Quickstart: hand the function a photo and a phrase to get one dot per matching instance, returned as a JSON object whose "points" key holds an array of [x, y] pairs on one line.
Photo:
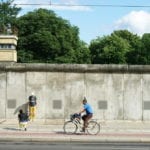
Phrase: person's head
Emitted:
{"points": [[20, 111], [84, 101]]}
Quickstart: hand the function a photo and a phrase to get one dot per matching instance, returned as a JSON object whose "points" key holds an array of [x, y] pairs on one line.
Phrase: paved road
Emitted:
{"points": [[73, 146]]}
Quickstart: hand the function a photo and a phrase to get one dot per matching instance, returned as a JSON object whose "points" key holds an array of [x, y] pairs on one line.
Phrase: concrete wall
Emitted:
{"points": [[116, 92]]}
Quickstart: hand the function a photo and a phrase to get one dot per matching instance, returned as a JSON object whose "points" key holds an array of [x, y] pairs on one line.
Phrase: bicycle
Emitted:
{"points": [[72, 126]]}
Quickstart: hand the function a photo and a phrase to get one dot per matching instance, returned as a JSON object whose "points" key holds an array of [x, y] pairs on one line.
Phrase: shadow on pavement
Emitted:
{"points": [[63, 133], [12, 129], [2, 121], [60, 132]]}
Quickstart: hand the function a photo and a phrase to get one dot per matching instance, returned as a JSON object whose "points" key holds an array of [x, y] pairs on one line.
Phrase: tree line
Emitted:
{"points": [[44, 37]]}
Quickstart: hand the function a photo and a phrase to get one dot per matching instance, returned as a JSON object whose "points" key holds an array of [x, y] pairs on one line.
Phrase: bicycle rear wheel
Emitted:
{"points": [[93, 128], [70, 127]]}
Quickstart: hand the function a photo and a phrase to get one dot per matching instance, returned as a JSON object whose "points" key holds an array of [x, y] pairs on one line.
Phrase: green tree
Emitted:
{"points": [[146, 47], [8, 14], [121, 47], [45, 37], [83, 53], [109, 49], [134, 55]]}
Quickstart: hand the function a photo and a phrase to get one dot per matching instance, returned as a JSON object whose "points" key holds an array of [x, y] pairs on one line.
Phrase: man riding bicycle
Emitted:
{"points": [[89, 113]]}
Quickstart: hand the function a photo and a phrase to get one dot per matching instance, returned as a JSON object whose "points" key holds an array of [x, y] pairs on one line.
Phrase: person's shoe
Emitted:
{"points": [[83, 130]]}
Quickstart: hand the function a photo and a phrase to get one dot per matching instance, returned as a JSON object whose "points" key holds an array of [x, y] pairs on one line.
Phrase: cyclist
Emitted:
{"points": [[89, 113]]}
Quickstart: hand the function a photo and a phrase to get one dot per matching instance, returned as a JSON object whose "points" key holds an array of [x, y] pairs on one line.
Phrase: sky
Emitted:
{"points": [[97, 18]]}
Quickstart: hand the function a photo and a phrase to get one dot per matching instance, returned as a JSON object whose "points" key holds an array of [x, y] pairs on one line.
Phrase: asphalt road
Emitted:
{"points": [[73, 146]]}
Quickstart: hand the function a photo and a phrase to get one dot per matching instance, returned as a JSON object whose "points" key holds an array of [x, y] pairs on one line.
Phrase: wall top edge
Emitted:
{"points": [[43, 67]]}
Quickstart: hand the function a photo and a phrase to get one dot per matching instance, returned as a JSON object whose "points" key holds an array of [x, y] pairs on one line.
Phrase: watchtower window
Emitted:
{"points": [[7, 46]]}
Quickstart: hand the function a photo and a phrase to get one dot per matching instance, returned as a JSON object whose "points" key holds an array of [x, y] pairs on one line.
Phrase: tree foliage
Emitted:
{"points": [[146, 48], [133, 56], [44, 37], [121, 47], [8, 14], [109, 49], [49, 38]]}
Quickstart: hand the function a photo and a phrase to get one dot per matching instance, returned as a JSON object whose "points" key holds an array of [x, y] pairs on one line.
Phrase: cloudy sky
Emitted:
{"points": [[97, 17]]}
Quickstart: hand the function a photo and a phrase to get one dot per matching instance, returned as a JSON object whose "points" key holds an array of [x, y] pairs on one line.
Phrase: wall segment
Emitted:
{"points": [[117, 92]]}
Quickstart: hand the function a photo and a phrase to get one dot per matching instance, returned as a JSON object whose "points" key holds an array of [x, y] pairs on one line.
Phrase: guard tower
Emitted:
{"points": [[8, 45]]}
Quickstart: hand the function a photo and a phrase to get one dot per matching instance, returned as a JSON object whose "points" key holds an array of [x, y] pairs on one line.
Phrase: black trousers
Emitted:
{"points": [[86, 118]]}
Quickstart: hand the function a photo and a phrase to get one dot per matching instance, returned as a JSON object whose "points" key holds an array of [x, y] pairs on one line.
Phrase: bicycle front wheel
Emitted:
{"points": [[70, 127], [93, 127]]}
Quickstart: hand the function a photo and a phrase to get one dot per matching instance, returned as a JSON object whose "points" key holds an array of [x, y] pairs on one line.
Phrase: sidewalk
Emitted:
{"points": [[111, 131]]}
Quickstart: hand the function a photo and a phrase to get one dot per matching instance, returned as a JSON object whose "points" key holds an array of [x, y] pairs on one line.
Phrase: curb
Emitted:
{"points": [[74, 140], [52, 137]]}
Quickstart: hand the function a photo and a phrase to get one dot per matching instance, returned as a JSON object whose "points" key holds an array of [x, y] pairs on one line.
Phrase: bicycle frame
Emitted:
{"points": [[78, 123]]}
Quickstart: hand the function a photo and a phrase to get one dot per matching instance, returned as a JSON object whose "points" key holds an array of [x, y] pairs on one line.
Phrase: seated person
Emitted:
{"points": [[89, 113]]}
